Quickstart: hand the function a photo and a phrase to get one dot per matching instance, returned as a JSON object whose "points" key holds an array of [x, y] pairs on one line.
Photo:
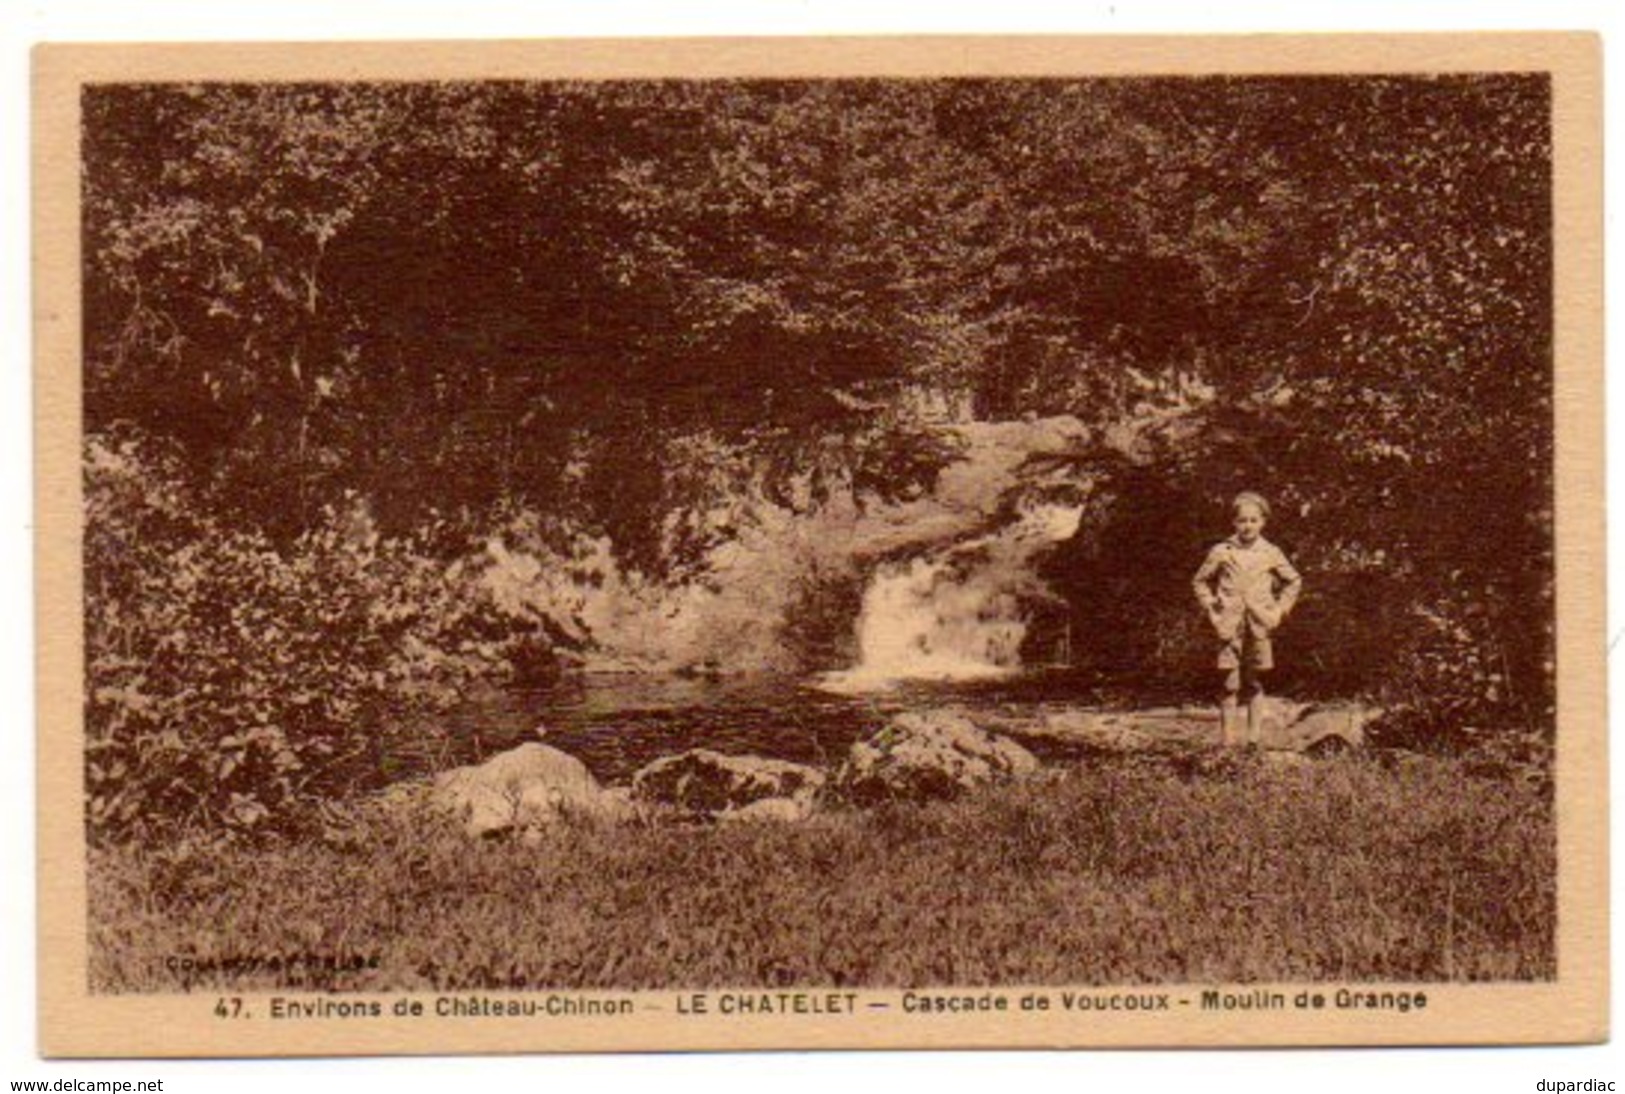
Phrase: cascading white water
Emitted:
{"points": [[957, 613]]}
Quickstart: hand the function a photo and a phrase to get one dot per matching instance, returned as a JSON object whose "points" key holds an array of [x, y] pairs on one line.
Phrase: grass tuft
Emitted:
{"points": [[1120, 872]]}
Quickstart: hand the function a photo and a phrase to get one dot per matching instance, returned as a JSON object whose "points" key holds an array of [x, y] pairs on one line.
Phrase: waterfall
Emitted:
{"points": [[958, 612]]}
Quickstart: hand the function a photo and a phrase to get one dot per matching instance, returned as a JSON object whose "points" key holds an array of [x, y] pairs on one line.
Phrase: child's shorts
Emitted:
{"points": [[1248, 654]]}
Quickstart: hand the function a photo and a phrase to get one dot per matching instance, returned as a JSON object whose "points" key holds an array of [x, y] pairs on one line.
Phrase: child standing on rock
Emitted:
{"points": [[1247, 587]]}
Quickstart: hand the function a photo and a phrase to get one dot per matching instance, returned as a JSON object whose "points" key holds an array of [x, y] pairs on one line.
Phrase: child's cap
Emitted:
{"points": [[1247, 497]]}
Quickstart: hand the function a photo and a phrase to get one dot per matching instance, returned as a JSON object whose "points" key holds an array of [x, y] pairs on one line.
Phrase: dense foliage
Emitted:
{"points": [[435, 306], [233, 680]]}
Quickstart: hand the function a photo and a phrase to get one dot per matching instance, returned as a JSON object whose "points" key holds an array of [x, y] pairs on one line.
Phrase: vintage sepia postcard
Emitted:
{"points": [[714, 544]]}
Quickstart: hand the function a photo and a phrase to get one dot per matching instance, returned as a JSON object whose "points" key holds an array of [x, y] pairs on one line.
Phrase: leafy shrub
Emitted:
{"points": [[1453, 687], [232, 680]]}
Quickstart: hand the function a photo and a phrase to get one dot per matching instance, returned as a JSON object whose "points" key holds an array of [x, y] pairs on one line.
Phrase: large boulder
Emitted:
{"points": [[922, 755], [522, 788], [715, 784]]}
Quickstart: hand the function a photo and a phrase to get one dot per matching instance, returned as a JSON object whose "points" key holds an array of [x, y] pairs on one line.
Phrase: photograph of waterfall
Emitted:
{"points": [[763, 545]]}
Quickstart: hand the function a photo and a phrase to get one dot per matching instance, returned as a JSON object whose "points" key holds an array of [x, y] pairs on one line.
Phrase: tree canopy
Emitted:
{"points": [[317, 279], [453, 297]]}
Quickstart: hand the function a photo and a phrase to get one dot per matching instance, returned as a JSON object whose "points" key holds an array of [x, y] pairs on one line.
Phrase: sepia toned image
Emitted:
{"points": [[866, 548]]}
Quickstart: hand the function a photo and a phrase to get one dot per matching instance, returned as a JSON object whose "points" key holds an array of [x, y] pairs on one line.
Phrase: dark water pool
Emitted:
{"points": [[618, 723]]}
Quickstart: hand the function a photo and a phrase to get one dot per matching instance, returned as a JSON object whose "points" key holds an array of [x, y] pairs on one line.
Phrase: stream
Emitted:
{"points": [[944, 626], [617, 723]]}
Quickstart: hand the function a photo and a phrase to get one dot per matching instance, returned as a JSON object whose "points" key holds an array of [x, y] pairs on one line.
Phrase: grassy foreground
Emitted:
{"points": [[1137, 871]]}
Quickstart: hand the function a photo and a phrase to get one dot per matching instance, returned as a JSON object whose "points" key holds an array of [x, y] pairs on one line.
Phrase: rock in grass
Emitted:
{"points": [[525, 787], [771, 811], [929, 754], [1327, 729], [714, 784]]}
